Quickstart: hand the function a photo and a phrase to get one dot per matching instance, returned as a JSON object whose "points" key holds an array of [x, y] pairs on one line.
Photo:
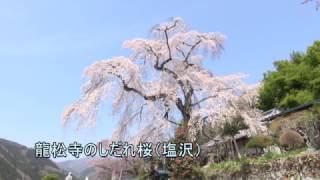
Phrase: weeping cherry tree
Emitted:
{"points": [[164, 84]]}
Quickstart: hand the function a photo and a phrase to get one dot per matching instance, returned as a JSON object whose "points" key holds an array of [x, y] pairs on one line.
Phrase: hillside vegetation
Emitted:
{"points": [[294, 82]]}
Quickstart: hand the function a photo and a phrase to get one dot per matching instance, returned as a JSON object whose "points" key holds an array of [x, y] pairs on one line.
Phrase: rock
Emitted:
{"points": [[274, 149]]}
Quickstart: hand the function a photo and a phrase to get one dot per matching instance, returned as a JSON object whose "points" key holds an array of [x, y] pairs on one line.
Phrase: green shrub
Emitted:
{"points": [[260, 142], [51, 177]]}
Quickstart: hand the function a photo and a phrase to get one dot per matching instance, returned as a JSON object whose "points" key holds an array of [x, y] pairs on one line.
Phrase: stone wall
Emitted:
{"points": [[305, 166]]}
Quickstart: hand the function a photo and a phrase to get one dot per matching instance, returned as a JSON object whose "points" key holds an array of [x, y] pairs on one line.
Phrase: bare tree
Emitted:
{"points": [[164, 84]]}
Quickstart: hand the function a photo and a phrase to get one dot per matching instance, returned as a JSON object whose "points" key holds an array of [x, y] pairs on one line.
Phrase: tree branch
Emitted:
{"points": [[183, 54], [140, 113], [191, 49], [206, 98], [166, 115], [203, 99], [178, 124], [146, 97], [167, 42]]}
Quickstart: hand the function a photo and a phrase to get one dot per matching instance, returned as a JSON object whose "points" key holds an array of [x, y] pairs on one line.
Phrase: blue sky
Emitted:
{"points": [[45, 46]]}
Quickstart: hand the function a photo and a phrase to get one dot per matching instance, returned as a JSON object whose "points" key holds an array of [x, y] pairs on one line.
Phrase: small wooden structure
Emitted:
{"points": [[220, 149]]}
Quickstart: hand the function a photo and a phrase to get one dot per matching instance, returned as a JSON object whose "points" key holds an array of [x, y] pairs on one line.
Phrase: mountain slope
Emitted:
{"points": [[19, 162]]}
